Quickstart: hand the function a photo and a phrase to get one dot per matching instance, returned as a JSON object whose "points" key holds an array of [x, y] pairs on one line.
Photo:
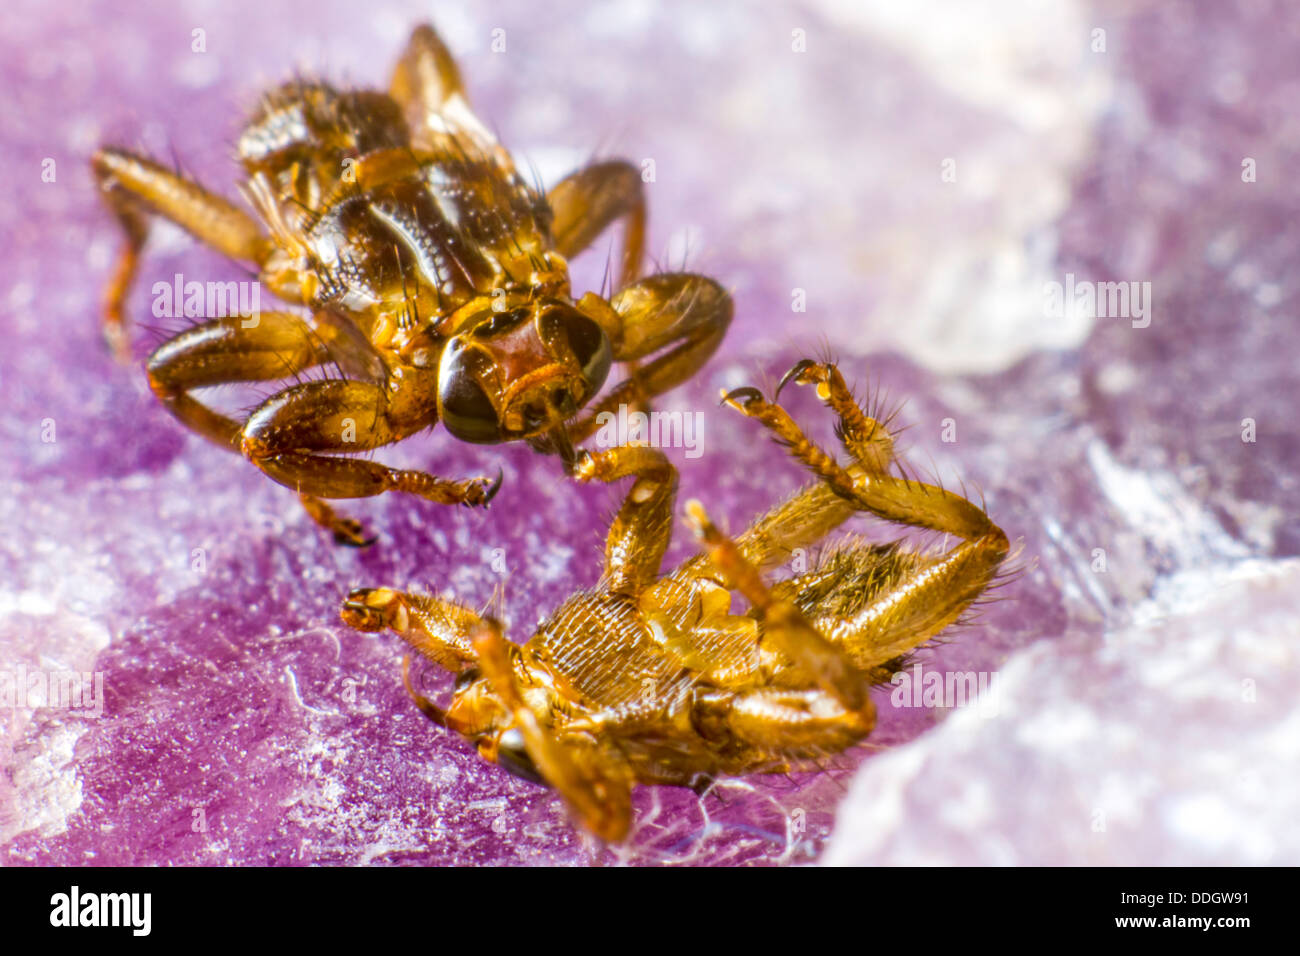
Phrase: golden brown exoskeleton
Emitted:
{"points": [[649, 679], [436, 281]]}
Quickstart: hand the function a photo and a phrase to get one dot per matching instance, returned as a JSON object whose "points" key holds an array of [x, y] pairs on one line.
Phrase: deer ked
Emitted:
{"points": [[434, 279]]}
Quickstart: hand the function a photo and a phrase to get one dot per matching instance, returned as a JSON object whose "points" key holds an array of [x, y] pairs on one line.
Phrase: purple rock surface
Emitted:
{"points": [[915, 178]]}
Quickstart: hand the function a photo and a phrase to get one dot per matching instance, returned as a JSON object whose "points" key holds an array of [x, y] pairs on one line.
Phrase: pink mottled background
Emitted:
{"points": [[1146, 713]]}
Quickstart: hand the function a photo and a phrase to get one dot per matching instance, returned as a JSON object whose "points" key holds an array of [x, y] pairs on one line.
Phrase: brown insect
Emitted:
{"points": [[436, 281], [652, 680]]}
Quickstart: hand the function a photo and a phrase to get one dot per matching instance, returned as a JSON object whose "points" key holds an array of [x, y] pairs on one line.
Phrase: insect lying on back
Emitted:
{"points": [[653, 680], [436, 280]]}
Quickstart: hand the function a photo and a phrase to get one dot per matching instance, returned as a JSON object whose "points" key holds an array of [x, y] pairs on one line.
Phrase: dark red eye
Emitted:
{"points": [[463, 406], [590, 347]]}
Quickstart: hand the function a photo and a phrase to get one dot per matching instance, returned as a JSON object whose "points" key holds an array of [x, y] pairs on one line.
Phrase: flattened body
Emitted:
{"points": [[397, 230]]}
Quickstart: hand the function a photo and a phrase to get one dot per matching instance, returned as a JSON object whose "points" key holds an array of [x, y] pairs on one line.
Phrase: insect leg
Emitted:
{"points": [[221, 351], [784, 626], [426, 706], [802, 521], [438, 630], [867, 439], [596, 788], [136, 188], [777, 723], [921, 600], [866, 487], [816, 510], [640, 532], [914, 606], [226, 350], [588, 201], [688, 312], [285, 433]]}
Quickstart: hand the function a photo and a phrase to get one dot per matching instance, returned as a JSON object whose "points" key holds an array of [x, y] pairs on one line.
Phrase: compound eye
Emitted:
{"points": [[590, 347], [466, 677], [512, 755], [463, 406]]}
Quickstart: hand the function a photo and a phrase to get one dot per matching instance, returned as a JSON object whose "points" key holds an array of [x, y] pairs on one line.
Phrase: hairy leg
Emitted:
{"points": [[287, 433], [222, 351], [640, 532], [777, 725], [588, 201], [913, 600], [228, 350], [438, 630], [785, 627], [137, 188]]}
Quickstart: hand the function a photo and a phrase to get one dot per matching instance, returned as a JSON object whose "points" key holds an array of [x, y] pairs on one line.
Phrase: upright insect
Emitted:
{"points": [[434, 277], [649, 679]]}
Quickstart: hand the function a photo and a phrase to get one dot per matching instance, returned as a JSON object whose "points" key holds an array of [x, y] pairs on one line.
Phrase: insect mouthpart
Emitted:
{"points": [[543, 405], [517, 374]]}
